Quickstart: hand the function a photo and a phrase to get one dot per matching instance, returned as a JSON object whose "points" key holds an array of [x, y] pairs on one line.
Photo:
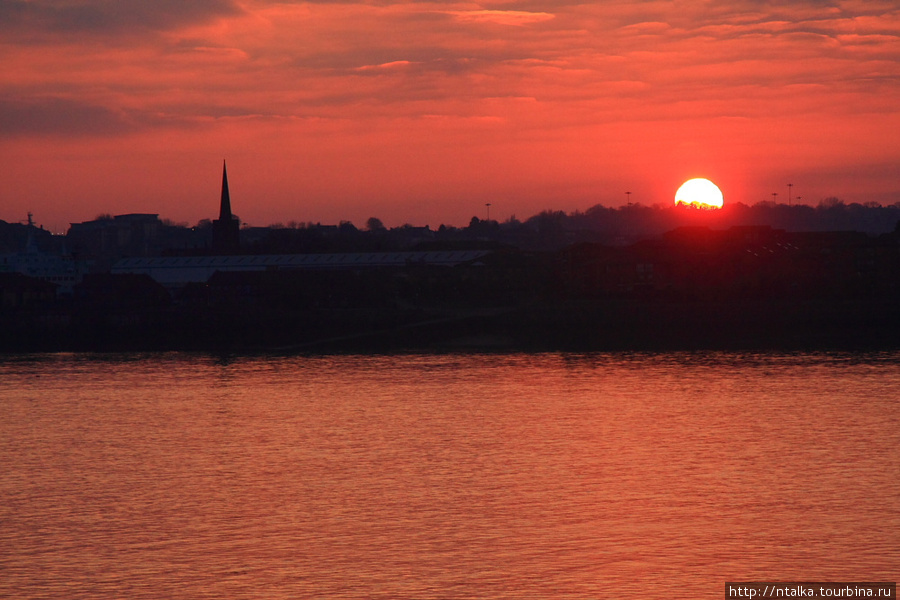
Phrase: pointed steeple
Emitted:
{"points": [[226, 229], [225, 205]]}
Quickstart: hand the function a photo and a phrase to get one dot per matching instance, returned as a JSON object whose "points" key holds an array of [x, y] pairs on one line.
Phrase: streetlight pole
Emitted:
{"points": [[774, 197], [628, 198], [488, 205], [790, 185]]}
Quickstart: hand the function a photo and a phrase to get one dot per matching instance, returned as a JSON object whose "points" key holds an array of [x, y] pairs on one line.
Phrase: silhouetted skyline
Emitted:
{"points": [[607, 224]]}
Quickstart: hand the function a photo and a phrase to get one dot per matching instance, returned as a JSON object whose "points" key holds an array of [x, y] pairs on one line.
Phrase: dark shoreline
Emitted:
{"points": [[750, 288], [608, 325]]}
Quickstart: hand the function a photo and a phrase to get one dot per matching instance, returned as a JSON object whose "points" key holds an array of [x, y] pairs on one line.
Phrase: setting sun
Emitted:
{"points": [[699, 192]]}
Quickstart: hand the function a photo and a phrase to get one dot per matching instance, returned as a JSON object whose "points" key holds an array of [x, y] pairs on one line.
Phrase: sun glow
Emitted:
{"points": [[699, 192]]}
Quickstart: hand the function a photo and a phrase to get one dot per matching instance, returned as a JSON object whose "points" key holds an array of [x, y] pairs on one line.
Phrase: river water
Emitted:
{"points": [[445, 476]]}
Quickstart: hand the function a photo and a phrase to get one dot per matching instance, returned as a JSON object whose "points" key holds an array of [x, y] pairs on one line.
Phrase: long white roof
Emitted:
{"points": [[179, 270]]}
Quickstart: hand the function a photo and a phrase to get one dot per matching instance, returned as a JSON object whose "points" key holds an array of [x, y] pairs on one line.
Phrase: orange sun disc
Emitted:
{"points": [[699, 192]]}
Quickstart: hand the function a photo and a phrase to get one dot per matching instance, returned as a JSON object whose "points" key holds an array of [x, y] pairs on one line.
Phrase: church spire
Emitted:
{"points": [[225, 229], [225, 205]]}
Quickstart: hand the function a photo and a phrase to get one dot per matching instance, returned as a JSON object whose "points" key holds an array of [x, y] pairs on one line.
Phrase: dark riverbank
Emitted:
{"points": [[745, 288], [606, 325]]}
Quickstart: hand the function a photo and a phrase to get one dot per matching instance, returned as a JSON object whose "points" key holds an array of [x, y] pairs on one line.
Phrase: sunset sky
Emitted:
{"points": [[422, 112]]}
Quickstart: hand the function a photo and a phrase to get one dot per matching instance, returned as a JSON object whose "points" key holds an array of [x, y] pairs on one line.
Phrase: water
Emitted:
{"points": [[448, 476]]}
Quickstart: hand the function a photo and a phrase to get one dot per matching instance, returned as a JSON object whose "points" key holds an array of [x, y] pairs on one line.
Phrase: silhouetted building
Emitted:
{"points": [[61, 270], [109, 238], [226, 229], [15, 236]]}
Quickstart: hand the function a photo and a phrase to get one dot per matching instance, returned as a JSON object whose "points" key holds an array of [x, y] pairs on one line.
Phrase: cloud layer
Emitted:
{"points": [[386, 106]]}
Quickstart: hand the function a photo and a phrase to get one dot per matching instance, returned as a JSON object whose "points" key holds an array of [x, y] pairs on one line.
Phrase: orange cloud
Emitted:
{"points": [[502, 17]]}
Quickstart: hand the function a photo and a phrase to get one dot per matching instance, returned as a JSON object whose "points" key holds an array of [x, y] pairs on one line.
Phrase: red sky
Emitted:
{"points": [[422, 112]]}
